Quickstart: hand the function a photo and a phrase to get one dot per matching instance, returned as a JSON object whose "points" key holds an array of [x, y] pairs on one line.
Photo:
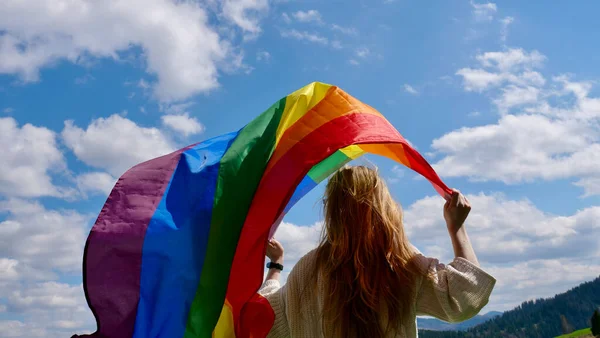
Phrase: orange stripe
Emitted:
{"points": [[298, 103], [391, 151], [337, 103]]}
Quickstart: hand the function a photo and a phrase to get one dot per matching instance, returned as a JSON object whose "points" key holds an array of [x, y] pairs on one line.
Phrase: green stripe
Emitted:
{"points": [[329, 165], [240, 172]]}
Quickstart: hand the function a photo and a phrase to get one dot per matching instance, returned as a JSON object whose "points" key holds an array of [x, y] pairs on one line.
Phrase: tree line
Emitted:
{"points": [[540, 318]]}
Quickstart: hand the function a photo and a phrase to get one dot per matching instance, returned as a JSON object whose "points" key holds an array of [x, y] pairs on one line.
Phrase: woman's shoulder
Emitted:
{"points": [[307, 260], [420, 261], [302, 271]]}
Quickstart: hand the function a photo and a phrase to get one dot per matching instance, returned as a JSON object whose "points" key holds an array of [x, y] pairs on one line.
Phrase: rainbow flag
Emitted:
{"points": [[179, 246]]}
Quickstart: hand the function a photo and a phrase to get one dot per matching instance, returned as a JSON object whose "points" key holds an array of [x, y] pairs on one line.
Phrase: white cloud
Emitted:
{"points": [[305, 36], [528, 78], [37, 242], [398, 170], [115, 143], [296, 241], [496, 226], [336, 44], [511, 66], [579, 89], [344, 30], [410, 89], [484, 11], [15, 328], [304, 238], [95, 182], [45, 296], [48, 309], [37, 247], [397, 174], [516, 96], [479, 79], [311, 15], [538, 279], [590, 185], [181, 48], [8, 267], [176, 108], [183, 123], [519, 148], [8, 110], [354, 62], [547, 131], [29, 155], [362, 52], [84, 79], [263, 56], [512, 59], [507, 21], [286, 18], [585, 107], [143, 84], [245, 13]]}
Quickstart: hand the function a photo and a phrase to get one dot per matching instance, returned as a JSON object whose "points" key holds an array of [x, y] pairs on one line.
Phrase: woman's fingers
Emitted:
{"points": [[275, 245], [464, 201], [455, 198]]}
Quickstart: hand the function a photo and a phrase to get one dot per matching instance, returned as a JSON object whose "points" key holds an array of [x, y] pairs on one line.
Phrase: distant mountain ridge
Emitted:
{"points": [[439, 325], [537, 318]]}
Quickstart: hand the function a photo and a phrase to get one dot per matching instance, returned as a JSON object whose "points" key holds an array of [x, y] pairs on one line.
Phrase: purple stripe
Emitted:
{"points": [[113, 254]]}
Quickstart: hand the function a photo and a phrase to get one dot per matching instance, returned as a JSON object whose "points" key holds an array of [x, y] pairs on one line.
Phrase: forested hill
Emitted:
{"points": [[538, 318], [438, 325]]}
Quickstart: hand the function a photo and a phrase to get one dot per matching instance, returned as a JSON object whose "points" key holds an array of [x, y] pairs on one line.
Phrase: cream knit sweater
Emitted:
{"points": [[457, 292]]}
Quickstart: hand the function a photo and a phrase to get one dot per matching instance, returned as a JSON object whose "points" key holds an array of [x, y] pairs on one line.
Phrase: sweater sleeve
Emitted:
{"points": [[275, 295], [454, 292]]}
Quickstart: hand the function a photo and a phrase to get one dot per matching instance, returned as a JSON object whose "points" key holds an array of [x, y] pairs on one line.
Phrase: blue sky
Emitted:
{"points": [[502, 98]]}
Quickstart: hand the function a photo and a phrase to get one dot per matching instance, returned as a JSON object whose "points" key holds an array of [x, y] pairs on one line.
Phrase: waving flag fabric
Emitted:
{"points": [[179, 246]]}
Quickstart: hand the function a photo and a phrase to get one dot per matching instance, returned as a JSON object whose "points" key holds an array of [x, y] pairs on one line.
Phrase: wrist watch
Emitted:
{"points": [[277, 266]]}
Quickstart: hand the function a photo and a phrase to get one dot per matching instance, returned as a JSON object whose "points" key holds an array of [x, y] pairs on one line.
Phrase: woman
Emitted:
{"points": [[365, 279]]}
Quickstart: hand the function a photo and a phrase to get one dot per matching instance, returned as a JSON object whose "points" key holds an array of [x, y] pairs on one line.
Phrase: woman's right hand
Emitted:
{"points": [[456, 211], [275, 251]]}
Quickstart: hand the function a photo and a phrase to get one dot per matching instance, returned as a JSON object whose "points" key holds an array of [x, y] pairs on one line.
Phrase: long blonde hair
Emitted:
{"points": [[364, 257]]}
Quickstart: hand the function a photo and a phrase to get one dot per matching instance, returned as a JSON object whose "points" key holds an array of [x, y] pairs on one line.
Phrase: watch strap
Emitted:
{"points": [[272, 265]]}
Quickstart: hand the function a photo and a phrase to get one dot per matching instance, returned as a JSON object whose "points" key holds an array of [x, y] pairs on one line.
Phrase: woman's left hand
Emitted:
{"points": [[275, 251]]}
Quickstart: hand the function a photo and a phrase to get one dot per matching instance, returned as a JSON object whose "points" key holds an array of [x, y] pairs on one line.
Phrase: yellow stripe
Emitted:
{"points": [[353, 151], [298, 103], [225, 328]]}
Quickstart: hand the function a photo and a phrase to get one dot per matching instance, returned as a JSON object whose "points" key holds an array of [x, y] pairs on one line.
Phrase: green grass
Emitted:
{"points": [[578, 333]]}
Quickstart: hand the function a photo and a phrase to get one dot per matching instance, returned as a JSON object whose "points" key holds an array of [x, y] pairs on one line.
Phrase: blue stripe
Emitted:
{"points": [[307, 184], [176, 240]]}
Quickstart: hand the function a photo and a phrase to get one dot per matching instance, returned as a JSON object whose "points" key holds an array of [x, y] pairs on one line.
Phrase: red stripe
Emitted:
{"points": [[277, 187], [257, 318], [420, 165]]}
